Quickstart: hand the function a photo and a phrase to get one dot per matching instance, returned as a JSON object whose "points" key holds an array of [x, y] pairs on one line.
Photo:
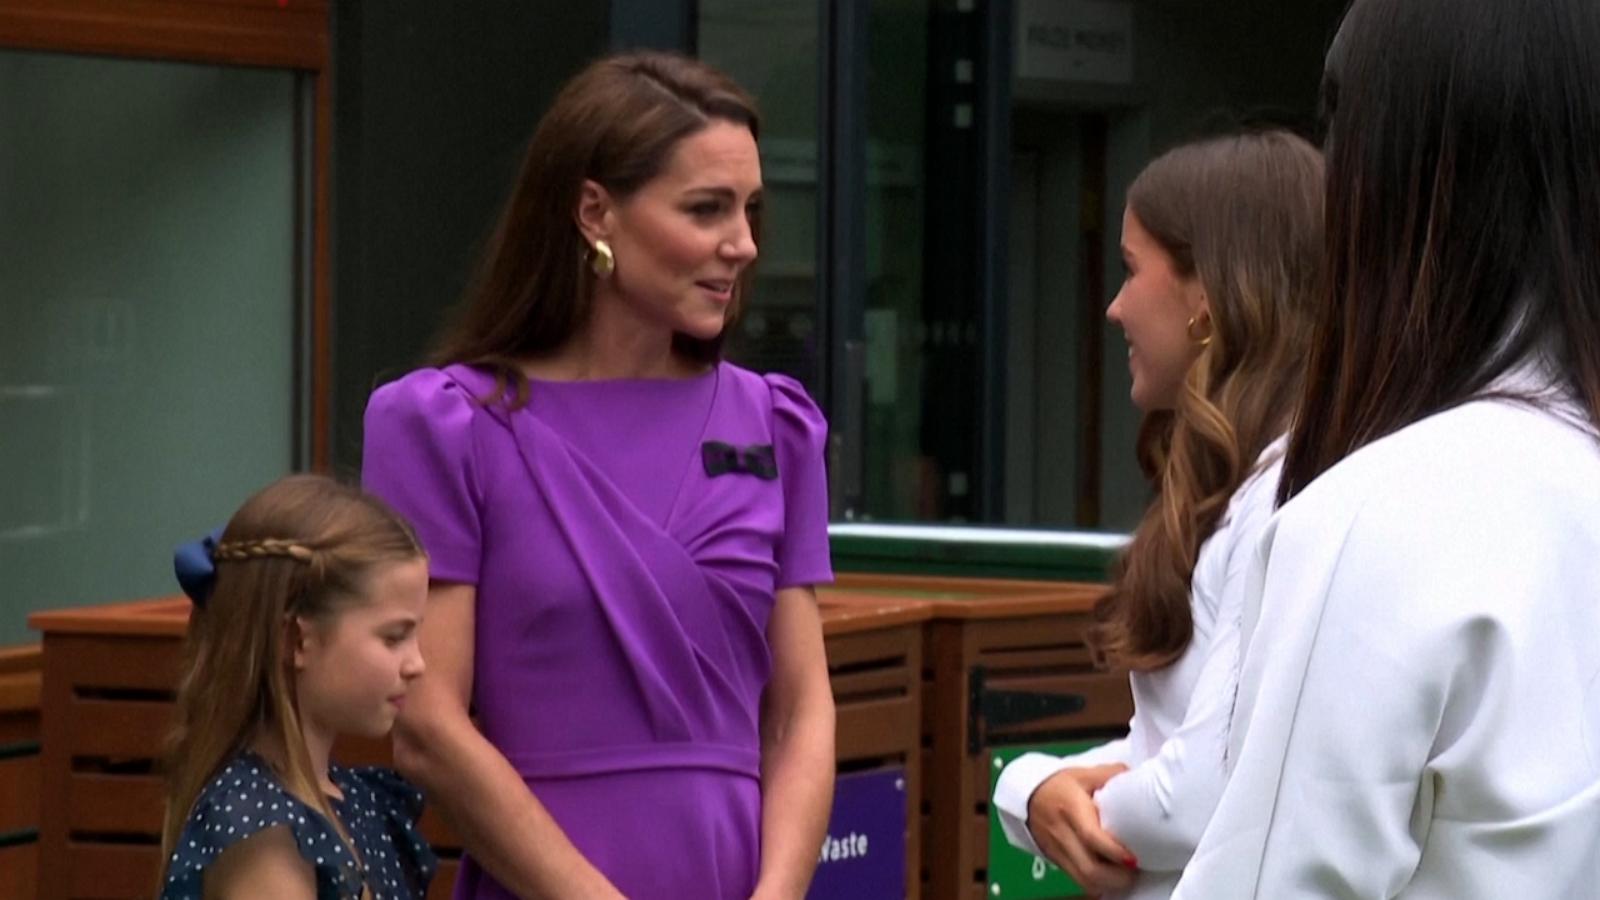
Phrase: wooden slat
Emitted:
{"points": [[979, 823], [19, 872], [1073, 658], [123, 729], [257, 33], [86, 662], [881, 682], [881, 728], [937, 584], [155, 617], [114, 804], [1010, 635], [844, 612], [19, 692], [21, 658], [20, 726], [19, 793], [887, 644], [109, 871]]}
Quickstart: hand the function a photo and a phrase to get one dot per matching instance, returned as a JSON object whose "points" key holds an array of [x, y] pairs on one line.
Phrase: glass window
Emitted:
{"points": [[149, 329], [771, 48], [1094, 89], [1099, 88]]}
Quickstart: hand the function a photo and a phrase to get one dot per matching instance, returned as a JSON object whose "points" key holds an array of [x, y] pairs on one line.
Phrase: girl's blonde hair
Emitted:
{"points": [[1243, 213], [301, 547]]}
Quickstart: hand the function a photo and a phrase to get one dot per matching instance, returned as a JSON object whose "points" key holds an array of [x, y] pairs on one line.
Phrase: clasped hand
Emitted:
{"points": [[1065, 823]]}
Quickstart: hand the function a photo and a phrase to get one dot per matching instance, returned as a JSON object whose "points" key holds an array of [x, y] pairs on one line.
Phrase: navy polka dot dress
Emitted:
{"points": [[379, 810]]}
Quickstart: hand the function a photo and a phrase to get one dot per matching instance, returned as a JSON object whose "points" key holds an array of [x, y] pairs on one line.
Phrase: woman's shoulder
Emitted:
{"points": [[1488, 454], [796, 418], [431, 390], [1447, 506]]}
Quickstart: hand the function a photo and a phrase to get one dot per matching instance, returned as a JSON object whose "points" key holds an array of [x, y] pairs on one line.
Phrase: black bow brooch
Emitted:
{"points": [[756, 459]]}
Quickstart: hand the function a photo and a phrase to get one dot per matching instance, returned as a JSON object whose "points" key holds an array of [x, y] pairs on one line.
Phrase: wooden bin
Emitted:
{"points": [[875, 663], [109, 674], [19, 771], [984, 637]]}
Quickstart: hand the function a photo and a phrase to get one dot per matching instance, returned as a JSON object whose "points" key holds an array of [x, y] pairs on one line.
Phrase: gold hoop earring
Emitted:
{"points": [[1198, 340], [603, 262]]}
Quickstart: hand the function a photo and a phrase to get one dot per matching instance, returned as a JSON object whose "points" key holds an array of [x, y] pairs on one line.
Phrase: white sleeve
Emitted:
{"points": [[1024, 774], [1159, 808]]}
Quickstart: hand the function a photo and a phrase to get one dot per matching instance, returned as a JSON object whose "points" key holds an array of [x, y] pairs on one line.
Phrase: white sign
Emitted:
{"points": [[1083, 41]]}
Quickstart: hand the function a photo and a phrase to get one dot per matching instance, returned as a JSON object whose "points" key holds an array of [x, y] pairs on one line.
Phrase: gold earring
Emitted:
{"points": [[603, 262], [1188, 329]]}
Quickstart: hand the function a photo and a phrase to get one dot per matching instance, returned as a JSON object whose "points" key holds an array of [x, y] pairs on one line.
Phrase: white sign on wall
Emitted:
{"points": [[1075, 41]]}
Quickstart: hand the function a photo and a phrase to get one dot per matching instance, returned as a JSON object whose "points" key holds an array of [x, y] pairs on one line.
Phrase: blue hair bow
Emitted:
{"points": [[196, 570]]}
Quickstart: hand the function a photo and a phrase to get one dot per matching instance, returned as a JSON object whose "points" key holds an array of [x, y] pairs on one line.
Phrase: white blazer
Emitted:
{"points": [[1178, 735], [1419, 707]]}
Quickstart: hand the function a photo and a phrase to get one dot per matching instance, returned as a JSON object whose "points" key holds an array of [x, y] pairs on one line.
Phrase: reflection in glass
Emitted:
{"points": [[147, 316], [771, 48]]}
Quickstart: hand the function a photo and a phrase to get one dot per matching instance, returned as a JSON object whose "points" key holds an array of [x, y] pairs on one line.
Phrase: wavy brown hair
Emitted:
{"points": [[1243, 213], [616, 123], [303, 546]]}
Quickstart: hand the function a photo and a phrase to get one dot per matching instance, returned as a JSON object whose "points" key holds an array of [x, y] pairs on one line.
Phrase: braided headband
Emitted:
{"points": [[195, 563]]}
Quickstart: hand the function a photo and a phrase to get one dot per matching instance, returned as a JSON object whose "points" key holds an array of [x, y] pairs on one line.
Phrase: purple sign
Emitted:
{"points": [[864, 854]]}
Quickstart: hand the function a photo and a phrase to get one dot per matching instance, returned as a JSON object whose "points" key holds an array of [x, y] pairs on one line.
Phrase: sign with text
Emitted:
{"points": [[864, 854], [1079, 41]]}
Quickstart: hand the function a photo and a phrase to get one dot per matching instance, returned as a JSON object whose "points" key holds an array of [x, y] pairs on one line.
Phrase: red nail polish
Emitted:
{"points": [[1131, 861]]}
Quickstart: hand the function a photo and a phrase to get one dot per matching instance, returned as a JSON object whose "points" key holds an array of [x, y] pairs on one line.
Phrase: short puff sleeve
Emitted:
{"points": [[800, 436], [418, 453], [386, 808], [244, 799]]}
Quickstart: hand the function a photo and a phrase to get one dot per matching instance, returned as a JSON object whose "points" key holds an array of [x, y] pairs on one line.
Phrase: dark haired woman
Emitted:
{"points": [[1419, 709], [624, 530], [1222, 241]]}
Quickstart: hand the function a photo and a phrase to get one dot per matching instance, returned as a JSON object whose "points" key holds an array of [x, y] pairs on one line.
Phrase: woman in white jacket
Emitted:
{"points": [[1223, 240], [1419, 708]]}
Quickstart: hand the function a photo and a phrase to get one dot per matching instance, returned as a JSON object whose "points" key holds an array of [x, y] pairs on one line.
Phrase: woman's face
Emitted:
{"points": [[682, 240], [1153, 310]]}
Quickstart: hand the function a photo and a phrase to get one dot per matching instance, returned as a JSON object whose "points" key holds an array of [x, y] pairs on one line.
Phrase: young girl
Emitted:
{"points": [[1223, 243], [304, 628]]}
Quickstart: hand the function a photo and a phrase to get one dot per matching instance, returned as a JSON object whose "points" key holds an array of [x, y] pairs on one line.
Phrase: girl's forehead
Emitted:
{"points": [[393, 588]]}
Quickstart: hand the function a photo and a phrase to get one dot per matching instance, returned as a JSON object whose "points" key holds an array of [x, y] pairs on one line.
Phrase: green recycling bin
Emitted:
{"points": [[1017, 874]]}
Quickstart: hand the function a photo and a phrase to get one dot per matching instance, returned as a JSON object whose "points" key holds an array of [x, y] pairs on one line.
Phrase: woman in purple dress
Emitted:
{"points": [[626, 689]]}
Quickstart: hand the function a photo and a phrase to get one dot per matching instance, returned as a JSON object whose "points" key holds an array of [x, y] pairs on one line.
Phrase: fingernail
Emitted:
{"points": [[1131, 861]]}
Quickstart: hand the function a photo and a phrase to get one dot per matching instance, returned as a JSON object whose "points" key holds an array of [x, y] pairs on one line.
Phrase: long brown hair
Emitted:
{"points": [[1463, 216], [1243, 213], [616, 123], [301, 547]]}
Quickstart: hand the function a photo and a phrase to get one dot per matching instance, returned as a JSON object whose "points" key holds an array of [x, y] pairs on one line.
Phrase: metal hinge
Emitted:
{"points": [[988, 709]]}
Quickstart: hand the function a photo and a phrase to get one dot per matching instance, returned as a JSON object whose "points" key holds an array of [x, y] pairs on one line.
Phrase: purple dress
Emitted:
{"points": [[625, 538]]}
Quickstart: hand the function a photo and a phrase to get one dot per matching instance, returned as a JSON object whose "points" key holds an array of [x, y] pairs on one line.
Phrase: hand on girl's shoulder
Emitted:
{"points": [[265, 866]]}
